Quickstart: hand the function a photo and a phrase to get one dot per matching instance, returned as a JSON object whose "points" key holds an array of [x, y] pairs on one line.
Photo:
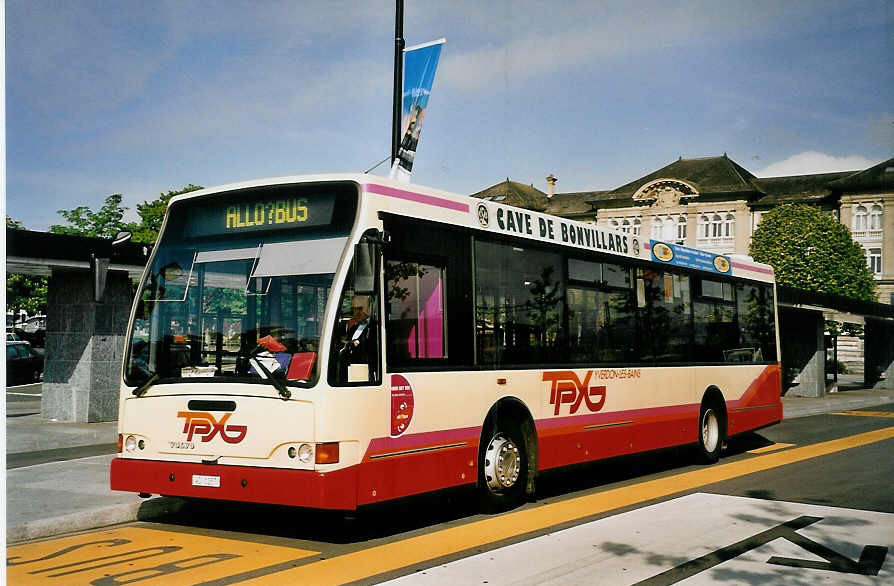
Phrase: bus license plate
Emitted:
{"points": [[201, 480]]}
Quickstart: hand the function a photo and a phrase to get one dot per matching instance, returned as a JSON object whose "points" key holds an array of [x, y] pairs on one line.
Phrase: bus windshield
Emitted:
{"points": [[238, 286]]}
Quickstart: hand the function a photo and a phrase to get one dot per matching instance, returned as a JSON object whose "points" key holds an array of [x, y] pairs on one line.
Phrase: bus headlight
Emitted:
{"points": [[305, 454], [130, 444]]}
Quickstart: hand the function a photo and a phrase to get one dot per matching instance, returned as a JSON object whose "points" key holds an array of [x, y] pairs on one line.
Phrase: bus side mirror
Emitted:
{"points": [[367, 255]]}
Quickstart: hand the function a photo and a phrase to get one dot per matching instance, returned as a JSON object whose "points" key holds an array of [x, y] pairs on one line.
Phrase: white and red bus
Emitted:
{"points": [[334, 341]]}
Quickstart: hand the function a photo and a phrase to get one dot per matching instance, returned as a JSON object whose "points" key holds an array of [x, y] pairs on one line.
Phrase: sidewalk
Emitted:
{"points": [[73, 495]]}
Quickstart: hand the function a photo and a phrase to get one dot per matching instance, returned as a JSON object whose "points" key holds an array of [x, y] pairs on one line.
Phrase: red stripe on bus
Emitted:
{"points": [[416, 197]]}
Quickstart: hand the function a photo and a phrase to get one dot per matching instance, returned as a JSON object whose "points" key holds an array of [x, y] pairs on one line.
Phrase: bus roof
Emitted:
{"points": [[441, 206]]}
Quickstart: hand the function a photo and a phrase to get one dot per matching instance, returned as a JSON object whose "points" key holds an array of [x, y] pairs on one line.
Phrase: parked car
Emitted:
{"points": [[12, 337], [33, 330], [32, 324], [23, 364]]}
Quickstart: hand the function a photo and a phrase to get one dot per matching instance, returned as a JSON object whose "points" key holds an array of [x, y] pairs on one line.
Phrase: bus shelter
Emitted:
{"points": [[89, 298], [802, 316]]}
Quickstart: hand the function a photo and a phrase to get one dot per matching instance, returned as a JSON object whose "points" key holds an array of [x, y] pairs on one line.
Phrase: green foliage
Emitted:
{"points": [[109, 220], [812, 251], [152, 214], [24, 291], [105, 223]]}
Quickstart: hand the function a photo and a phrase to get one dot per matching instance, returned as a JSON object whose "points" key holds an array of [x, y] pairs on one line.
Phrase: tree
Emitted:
{"points": [[109, 220], [26, 292], [811, 250], [105, 223], [152, 214]]}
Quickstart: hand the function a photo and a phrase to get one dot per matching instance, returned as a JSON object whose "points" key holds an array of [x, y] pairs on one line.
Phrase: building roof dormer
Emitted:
{"points": [[665, 192]]}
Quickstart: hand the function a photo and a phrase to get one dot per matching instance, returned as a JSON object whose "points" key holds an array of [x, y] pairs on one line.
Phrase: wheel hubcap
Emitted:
{"points": [[710, 430], [501, 464]]}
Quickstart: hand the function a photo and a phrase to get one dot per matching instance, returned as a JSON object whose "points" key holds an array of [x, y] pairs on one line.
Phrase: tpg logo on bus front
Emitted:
{"points": [[206, 426], [568, 388]]}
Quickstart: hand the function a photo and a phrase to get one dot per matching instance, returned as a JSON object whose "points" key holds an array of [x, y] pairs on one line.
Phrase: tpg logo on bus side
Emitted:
{"points": [[568, 388]]}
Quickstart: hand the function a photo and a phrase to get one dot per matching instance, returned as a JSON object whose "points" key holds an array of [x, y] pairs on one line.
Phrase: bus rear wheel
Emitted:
{"points": [[502, 469], [710, 433]]}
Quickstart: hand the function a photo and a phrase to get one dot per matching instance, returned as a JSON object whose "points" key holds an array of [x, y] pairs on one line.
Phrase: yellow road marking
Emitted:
{"points": [[771, 448], [867, 413], [149, 556], [415, 550]]}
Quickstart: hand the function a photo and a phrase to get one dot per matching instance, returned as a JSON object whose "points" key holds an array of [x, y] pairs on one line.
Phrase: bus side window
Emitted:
{"points": [[757, 326], [416, 325]]}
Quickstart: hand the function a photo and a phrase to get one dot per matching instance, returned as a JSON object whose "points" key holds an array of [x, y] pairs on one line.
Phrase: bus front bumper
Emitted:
{"points": [[300, 488]]}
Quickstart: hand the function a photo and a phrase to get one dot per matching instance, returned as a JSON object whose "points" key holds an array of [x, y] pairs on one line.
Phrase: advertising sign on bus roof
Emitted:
{"points": [[692, 258], [545, 228]]}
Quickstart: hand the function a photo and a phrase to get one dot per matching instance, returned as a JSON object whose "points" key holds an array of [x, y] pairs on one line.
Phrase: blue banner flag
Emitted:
{"points": [[420, 64]]}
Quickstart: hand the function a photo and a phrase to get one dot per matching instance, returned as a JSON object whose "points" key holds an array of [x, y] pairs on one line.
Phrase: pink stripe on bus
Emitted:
{"points": [[416, 197], [754, 268]]}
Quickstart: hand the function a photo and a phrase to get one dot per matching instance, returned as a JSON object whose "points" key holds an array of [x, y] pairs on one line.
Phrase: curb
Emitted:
{"points": [[820, 407], [93, 519]]}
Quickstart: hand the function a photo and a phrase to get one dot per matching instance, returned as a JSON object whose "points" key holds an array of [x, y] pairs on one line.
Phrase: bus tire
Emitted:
{"points": [[502, 468], [711, 431]]}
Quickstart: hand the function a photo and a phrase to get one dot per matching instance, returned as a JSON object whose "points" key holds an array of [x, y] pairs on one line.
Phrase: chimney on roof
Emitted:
{"points": [[550, 186]]}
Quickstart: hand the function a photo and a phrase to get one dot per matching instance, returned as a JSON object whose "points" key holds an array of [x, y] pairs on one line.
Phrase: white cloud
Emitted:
{"points": [[810, 162]]}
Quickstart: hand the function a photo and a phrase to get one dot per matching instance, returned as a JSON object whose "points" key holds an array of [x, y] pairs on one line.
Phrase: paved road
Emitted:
{"points": [[42, 444], [805, 502], [23, 397]]}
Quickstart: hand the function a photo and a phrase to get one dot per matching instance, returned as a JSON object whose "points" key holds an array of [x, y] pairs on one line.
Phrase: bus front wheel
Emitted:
{"points": [[710, 432], [502, 468]]}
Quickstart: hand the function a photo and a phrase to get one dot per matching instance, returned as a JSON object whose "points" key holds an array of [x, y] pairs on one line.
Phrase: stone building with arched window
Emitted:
{"points": [[714, 203]]}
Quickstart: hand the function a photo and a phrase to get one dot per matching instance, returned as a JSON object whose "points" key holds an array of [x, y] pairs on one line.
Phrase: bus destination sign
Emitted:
{"points": [[252, 214], [692, 258]]}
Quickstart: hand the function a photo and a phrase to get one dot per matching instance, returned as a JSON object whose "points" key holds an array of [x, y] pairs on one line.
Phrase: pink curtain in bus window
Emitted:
{"points": [[428, 333]]}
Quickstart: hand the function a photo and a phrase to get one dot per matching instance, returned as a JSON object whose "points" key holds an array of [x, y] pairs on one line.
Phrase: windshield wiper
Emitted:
{"points": [[277, 384], [141, 390]]}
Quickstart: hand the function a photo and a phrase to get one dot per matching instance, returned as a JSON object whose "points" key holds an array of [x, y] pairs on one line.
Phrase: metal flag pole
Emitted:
{"points": [[398, 78]]}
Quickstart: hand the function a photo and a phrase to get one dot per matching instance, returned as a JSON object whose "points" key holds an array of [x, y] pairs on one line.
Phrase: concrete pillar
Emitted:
{"points": [[803, 352], [84, 347], [878, 354]]}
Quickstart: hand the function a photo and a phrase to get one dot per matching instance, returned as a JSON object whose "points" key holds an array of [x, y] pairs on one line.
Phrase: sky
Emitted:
{"points": [[138, 98]]}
